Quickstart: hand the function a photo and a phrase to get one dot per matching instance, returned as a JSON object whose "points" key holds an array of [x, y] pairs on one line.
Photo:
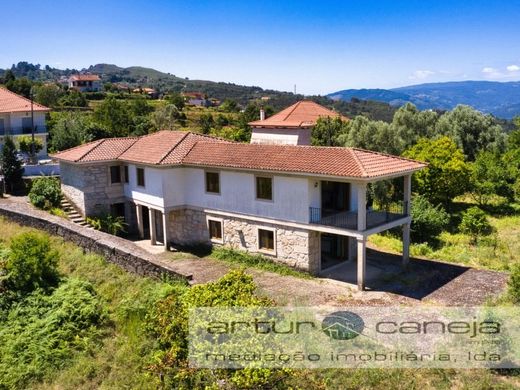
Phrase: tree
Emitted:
{"points": [[12, 168], [447, 174], [327, 130], [168, 117], [409, 125], [48, 95], [229, 105], [176, 99], [206, 123], [73, 98], [114, 116], [490, 176], [472, 131], [363, 133], [68, 129], [475, 223]]}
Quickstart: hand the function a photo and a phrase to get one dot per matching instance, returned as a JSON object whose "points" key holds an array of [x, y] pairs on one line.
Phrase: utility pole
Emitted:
{"points": [[33, 157]]}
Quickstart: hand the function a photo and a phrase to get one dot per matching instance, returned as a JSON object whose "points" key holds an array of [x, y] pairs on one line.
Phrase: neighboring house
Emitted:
{"points": [[152, 93], [85, 83], [197, 99], [292, 126], [16, 119], [304, 206]]}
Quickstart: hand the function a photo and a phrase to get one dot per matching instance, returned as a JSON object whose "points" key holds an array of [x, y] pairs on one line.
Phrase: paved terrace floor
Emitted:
{"points": [[423, 281]]}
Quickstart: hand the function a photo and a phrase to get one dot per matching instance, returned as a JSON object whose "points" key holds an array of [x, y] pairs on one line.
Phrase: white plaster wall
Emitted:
{"points": [[152, 192], [15, 120], [281, 136]]}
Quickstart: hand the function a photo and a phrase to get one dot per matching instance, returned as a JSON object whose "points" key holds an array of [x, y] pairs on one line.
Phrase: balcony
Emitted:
{"points": [[22, 130], [348, 219]]}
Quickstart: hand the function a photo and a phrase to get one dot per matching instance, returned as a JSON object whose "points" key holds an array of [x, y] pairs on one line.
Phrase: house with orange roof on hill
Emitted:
{"points": [[85, 82], [17, 118], [301, 205], [291, 126]]}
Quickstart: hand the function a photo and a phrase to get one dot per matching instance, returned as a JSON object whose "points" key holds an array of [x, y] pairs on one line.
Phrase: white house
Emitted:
{"points": [[85, 82], [16, 119], [301, 205]]}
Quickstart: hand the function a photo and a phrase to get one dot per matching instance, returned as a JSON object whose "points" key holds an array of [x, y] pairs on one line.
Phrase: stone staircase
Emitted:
{"points": [[73, 214]]}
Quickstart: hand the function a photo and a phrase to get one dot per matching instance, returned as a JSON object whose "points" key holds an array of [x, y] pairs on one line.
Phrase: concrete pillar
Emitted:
{"points": [[165, 230], [362, 207], [407, 193], [361, 262], [406, 244], [351, 248], [140, 222], [151, 213]]}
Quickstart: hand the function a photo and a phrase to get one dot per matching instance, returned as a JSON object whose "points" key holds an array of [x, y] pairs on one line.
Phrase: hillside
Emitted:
{"points": [[499, 99], [137, 76]]}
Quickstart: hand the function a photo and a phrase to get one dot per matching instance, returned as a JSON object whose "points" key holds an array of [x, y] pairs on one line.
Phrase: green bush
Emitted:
{"points": [[25, 144], [475, 223], [31, 263], [168, 323], [108, 224], [428, 221], [45, 193], [514, 284], [42, 332]]}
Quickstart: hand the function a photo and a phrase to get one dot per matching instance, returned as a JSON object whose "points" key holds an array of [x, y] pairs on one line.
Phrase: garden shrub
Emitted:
{"points": [[168, 323], [42, 332], [31, 263], [428, 221], [475, 223], [45, 193]]}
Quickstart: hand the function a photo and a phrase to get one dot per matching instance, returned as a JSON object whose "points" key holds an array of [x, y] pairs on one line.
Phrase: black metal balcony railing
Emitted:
{"points": [[348, 219], [22, 130]]}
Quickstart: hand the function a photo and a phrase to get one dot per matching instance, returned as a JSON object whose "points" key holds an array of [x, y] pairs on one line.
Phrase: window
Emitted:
{"points": [[266, 240], [213, 182], [115, 174], [26, 125], [215, 230], [140, 177], [126, 174], [264, 188], [2, 126]]}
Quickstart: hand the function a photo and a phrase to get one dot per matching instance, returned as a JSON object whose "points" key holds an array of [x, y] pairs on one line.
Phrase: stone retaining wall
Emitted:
{"points": [[114, 249]]}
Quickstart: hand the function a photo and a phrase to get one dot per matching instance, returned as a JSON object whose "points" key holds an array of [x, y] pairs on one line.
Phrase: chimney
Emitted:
{"points": [[262, 114]]}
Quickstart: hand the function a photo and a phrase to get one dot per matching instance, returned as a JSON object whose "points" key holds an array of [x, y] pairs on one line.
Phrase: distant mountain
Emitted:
{"points": [[499, 99]]}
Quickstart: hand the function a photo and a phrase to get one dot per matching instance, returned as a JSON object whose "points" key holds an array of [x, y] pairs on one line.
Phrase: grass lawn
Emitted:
{"points": [[499, 251]]}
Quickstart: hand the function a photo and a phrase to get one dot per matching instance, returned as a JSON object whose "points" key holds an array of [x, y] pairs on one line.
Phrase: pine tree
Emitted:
{"points": [[11, 167]]}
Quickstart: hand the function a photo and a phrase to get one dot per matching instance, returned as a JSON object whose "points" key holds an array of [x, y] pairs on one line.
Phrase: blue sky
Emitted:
{"points": [[321, 46]]}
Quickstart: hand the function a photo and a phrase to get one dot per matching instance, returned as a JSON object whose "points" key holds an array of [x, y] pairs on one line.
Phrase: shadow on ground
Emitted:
{"points": [[384, 272]]}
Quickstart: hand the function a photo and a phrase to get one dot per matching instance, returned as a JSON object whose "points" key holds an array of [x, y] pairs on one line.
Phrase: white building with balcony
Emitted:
{"points": [[304, 206], [17, 119]]}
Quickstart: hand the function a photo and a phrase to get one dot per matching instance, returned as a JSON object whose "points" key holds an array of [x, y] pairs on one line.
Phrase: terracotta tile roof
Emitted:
{"points": [[304, 113], [164, 147], [190, 149], [12, 102], [85, 77], [330, 161], [101, 150]]}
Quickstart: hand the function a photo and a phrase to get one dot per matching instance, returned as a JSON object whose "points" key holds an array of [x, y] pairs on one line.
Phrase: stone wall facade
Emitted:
{"points": [[88, 187], [298, 248]]}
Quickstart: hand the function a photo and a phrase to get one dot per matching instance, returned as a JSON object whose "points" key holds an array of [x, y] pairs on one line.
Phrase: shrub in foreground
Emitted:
{"points": [[45, 193], [31, 263], [108, 224], [514, 284]]}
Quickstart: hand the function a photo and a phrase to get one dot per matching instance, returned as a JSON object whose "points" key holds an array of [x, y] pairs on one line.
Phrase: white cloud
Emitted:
{"points": [[513, 68], [421, 74], [489, 70], [492, 73]]}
